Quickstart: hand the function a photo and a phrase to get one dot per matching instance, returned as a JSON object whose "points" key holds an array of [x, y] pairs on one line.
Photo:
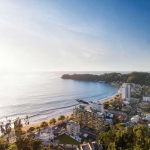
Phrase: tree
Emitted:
{"points": [[107, 127], [28, 144], [44, 148], [106, 104], [44, 124], [51, 145], [31, 129], [3, 145], [61, 117], [52, 121], [5, 128], [18, 126], [59, 148], [38, 128], [13, 147], [115, 120], [135, 137]]}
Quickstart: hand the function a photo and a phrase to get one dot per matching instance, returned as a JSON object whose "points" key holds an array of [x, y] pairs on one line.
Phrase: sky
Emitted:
{"points": [[75, 35]]}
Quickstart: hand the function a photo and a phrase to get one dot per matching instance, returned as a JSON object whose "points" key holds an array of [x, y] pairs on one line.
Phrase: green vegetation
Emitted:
{"points": [[142, 78], [107, 127], [61, 117], [18, 127], [44, 124], [24, 144], [52, 121], [5, 129], [106, 104], [65, 139], [31, 129], [134, 95], [3, 145], [119, 138]]}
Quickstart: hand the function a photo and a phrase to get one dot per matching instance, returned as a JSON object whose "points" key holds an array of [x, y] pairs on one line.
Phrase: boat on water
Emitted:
{"points": [[81, 101]]}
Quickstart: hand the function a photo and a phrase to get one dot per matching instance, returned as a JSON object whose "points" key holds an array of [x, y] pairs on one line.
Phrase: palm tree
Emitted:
{"points": [[26, 119], [61, 117], [6, 128], [52, 121], [18, 126]]}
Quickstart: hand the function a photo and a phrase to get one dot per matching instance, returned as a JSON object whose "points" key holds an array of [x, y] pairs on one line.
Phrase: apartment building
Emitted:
{"points": [[73, 128], [92, 119], [126, 91]]}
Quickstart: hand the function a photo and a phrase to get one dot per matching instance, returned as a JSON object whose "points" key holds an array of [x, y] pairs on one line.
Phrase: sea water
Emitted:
{"points": [[43, 95]]}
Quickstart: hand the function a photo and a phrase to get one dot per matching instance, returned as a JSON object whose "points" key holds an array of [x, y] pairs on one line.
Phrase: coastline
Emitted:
{"points": [[37, 124], [111, 97]]}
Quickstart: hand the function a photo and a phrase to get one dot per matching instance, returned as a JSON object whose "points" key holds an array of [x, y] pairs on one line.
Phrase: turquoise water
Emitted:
{"points": [[46, 94]]}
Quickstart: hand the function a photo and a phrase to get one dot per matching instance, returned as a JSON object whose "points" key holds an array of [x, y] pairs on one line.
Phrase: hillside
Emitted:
{"points": [[142, 78]]}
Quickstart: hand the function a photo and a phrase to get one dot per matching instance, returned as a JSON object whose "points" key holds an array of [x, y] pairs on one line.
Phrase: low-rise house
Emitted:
{"points": [[90, 146], [96, 146], [147, 117], [146, 98], [135, 119], [126, 102], [109, 115], [122, 117], [108, 121], [134, 99]]}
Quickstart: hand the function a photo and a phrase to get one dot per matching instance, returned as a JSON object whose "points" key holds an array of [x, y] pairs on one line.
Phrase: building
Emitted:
{"points": [[90, 146], [46, 135], [135, 119], [126, 91], [122, 117], [146, 98], [73, 128], [98, 107], [147, 117], [92, 119], [108, 121]]}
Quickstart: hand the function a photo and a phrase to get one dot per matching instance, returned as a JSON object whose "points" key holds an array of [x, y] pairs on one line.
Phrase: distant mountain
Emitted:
{"points": [[142, 78]]}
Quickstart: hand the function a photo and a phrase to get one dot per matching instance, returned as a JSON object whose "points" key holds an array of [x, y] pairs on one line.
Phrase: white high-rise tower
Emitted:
{"points": [[126, 91]]}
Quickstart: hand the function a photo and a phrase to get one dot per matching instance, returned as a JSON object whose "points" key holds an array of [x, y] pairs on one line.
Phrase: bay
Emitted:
{"points": [[41, 95]]}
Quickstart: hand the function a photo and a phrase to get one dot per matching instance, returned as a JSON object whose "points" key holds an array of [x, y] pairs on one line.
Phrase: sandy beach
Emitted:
{"points": [[37, 124]]}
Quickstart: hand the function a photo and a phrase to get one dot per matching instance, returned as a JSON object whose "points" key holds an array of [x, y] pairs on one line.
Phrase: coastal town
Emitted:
{"points": [[79, 130]]}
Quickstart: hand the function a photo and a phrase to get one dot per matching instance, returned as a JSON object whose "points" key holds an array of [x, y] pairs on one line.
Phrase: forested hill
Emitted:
{"points": [[142, 78]]}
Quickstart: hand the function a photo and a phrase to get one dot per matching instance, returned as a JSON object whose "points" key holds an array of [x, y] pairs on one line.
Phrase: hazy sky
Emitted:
{"points": [[77, 35]]}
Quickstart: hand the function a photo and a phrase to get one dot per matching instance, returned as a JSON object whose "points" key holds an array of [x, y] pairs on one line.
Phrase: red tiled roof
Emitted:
{"points": [[121, 116]]}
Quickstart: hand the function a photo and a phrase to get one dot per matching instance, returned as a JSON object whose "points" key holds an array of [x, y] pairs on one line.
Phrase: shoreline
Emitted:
{"points": [[68, 111], [37, 124], [110, 97]]}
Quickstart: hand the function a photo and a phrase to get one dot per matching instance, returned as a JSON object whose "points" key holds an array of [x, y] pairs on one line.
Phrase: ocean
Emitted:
{"points": [[43, 95]]}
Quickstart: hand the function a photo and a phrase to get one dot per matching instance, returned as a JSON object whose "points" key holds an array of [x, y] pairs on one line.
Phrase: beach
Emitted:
{"points": [[37, 124]]}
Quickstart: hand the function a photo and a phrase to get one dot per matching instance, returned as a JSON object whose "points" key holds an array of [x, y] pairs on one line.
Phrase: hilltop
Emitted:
{"points": [[142, 78]]}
